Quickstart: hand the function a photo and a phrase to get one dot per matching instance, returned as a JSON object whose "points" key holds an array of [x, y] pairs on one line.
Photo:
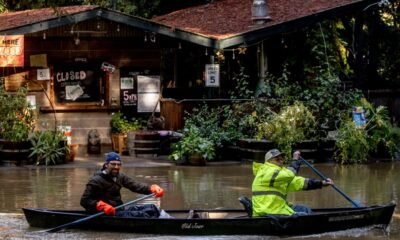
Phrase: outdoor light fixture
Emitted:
{"points": [[206, 53], [260, 12], [77, 40], [44, 35], [118, 28]]}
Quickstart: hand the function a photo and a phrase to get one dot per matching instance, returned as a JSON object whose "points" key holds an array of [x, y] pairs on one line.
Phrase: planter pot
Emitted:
{"points": [[327, 149], [254, 150], [196, 160], [15, 153], [119, 142], [143, 142], [309, 150], [228, 153]]}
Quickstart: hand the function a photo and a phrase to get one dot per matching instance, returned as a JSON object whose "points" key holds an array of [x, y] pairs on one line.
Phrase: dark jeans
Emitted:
{"points": [[140, 211], [301, 209]]}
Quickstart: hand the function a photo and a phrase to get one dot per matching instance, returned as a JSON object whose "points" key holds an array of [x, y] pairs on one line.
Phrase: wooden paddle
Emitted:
{"points": [[355, 204], [67, 225]]}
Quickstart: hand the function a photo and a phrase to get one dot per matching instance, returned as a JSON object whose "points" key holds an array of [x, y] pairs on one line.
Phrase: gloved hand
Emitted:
{"points": [[296, 155], [107, 208], [157, 190], [327, 182]]}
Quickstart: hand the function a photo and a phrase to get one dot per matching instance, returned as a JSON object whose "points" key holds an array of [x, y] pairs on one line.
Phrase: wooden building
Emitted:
{"points": [[82, 63]]}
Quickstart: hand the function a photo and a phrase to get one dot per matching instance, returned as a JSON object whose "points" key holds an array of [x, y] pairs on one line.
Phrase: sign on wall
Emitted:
{"points": [[212, 75], [128, 93], [76, 84], [148, 93], [12, 51], [43, 74]]}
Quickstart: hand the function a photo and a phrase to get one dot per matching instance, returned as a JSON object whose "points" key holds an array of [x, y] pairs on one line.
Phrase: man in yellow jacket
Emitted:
{"points": [[274, 181]]}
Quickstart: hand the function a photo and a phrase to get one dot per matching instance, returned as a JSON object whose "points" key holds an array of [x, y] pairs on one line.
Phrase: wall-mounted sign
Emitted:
{"points": [[127, 83], [39, 60], [12, 51], [76, 84], [43, 74], [148, 93], [148, 102], [212, 75], [148, 84]]}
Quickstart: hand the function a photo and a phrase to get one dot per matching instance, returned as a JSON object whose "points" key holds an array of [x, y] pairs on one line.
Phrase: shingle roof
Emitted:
{"points": [[21, 18], [226, 18]]}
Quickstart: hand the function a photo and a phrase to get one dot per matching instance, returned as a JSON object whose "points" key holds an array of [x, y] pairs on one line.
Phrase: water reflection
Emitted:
{"points": [[189, 187]]}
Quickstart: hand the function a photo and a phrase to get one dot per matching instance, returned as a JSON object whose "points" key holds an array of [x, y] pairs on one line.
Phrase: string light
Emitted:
{"points": [[233, 54], [44, 35], [118, 28], [153, 37], [145, 36], [179, 45], [206, 52]]}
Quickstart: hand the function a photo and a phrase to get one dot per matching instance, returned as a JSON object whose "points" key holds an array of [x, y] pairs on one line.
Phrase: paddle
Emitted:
{"points": [[67, 225], [355, 204]]}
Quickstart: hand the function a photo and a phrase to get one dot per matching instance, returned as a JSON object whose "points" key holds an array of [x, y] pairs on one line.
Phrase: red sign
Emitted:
{"points": [[12, 51]]}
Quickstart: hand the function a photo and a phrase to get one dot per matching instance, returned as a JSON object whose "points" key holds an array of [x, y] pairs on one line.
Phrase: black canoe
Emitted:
{"points": [[222, 221]]}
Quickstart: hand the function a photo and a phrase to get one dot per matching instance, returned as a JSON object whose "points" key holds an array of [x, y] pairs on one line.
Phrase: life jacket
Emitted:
{"points": [[270, 188]]}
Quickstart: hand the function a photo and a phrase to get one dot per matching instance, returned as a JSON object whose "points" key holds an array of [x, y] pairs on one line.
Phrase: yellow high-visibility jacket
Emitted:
{"points": [[271, 186]]}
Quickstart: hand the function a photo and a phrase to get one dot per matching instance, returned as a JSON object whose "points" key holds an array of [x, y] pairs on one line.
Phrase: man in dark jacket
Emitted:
{"points": [[102, 192]]}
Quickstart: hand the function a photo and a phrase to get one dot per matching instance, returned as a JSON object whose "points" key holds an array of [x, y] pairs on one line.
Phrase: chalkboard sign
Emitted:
{"points": [[76, 84]]}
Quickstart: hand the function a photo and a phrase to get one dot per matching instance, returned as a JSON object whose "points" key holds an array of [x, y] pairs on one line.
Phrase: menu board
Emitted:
{"points": [[76, 84]]}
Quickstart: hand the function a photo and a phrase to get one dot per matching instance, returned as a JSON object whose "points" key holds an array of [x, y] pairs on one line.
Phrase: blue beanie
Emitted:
{"points": [[112, 156]]}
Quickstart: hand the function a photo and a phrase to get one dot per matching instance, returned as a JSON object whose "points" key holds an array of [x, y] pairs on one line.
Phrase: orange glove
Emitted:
{"points": [[157, 190], [107, 208]]}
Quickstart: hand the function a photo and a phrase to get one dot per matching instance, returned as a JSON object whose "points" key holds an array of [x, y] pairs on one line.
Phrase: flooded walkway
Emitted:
{"points": [[215, 186]]}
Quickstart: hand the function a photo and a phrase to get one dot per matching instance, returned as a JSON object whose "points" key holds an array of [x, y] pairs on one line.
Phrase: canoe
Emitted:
{"points": [[222, 221]]}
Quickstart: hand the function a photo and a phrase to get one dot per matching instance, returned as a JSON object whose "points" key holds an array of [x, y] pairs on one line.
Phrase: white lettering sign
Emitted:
{"points": [[43, 74], [212, 75], [70, 76]]}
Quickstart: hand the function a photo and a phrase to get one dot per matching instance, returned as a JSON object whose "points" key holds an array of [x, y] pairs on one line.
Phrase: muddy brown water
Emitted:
{"points": [[191, 187]]}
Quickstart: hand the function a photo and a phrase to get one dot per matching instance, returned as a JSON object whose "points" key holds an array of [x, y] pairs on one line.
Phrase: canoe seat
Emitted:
{"points": [[247, 204]]}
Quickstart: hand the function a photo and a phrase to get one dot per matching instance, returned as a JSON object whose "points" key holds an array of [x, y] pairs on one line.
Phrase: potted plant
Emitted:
{"points": [[378, 138], [292, 125], [193, 148], [120, 126], [49, 147], [17, 121]]}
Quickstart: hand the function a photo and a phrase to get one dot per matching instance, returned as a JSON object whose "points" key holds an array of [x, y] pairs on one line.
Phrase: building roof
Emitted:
{"points": [[36, 20], [12, 20], [219, 24], [224, 19]]}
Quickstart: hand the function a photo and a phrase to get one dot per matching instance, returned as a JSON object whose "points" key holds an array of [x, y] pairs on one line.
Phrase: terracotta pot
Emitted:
{"points": [[196, 160]]}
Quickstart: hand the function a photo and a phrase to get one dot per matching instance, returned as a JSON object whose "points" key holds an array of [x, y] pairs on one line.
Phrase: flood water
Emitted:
{"points": [[191, 187]]}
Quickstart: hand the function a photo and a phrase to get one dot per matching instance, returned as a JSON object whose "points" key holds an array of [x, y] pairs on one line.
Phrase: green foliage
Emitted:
{"points": [[49, 147], [355, 145], [351, 144], [293, 124], [17, 119], [241, 89], [192, 143], [119, 124], [208, 122], [242, 118]]}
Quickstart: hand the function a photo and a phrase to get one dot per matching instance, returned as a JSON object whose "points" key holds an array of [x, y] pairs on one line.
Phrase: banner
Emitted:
{"points": [[12, 51]]}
